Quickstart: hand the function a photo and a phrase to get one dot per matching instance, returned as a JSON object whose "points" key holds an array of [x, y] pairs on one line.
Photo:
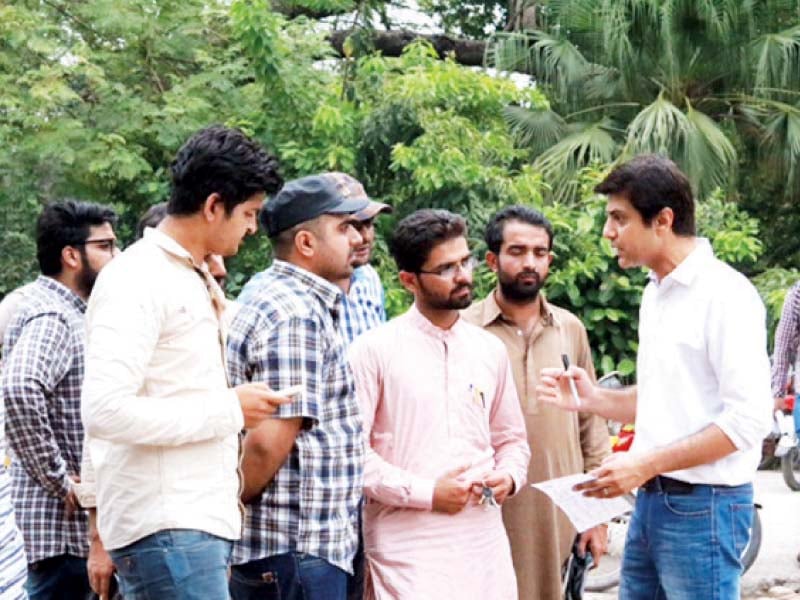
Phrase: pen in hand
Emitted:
{"points": [[572, 388]]}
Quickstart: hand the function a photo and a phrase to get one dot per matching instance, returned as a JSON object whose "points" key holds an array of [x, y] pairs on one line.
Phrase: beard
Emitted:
{"points": [[452, 301], [515, 290], [86, 278]]}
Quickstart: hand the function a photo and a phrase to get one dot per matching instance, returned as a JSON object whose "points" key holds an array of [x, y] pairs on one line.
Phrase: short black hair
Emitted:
{"points": [[651, 183], [220, 160], [66, 223], [417, 234], [517, 212], [151, 218]]}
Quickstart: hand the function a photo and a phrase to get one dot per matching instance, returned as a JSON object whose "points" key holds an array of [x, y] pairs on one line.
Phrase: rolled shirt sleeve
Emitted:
{"points": [[737, 353]]}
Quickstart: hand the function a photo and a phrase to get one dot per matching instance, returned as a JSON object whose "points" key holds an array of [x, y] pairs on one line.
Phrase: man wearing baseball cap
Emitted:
{"points": [[303, 470], [363, 305]]}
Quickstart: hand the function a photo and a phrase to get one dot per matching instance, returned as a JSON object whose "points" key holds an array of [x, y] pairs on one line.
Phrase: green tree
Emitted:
{"points": [[714, 84]]}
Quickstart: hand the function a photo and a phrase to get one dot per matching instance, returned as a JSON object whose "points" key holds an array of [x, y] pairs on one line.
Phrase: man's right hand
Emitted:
{"points": [[99, 567], [258, 402], [450, 495], [554, 388]]}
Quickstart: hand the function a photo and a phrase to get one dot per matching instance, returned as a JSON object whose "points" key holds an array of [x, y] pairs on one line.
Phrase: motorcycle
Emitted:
{"points": [[787, 447]]}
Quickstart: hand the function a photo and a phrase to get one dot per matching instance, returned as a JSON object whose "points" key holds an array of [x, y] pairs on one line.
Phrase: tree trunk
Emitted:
{"points": [[391, 43]]}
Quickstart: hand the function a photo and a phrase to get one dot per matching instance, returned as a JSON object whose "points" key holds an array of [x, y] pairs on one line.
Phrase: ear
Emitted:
{"points": [[305, 243], [71, 258], [491, 260], [408, 280], [665, 218], [213, 207]]}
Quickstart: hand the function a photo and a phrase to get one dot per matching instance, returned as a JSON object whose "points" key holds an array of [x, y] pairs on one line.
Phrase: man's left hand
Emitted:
{"points": [[596, 540], [617, 475], [501, 483]]}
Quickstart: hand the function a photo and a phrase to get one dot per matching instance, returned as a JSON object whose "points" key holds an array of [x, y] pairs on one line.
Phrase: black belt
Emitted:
{"points": [[667, 485]]}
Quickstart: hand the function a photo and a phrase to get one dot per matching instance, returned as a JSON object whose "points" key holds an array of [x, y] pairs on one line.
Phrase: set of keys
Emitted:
{"points": [[487, 496]]}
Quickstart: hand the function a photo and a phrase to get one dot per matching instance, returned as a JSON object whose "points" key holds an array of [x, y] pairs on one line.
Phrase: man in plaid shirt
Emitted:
{"points": [[363, 301], [302, 470], [41, 386]]}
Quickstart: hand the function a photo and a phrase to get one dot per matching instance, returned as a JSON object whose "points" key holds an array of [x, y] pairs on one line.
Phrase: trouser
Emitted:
{"points": [[179, 564], [57, 577], [686, 545], [290, 576]]}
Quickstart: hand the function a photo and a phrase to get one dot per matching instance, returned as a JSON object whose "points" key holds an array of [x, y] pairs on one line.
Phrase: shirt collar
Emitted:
{"points": [[689, 267], [169, 245], [491, 311], [422, 323], [62, 291], [328, 293]]}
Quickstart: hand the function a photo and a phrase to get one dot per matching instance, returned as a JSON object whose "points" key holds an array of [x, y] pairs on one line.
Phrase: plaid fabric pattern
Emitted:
{"points": [[41, 386], [286, 334], [787, 339], [362, 308], [13, 566]]}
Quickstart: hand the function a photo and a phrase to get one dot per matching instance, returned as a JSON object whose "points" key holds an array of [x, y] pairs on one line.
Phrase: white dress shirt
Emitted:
{"points": [[703, 360], [161, 422]]}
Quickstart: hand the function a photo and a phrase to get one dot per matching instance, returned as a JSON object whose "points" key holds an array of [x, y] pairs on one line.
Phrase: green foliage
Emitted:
{"points": [[714, 85], [773, 284]]}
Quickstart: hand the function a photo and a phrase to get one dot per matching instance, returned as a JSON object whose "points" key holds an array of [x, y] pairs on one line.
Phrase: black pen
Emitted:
{"points": [[572, 388]]}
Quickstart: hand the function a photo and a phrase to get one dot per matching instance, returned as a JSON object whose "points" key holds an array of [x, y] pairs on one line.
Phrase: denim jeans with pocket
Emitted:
{"points": [[179, 564], [62, 576], [290, 576], [687, 546]]}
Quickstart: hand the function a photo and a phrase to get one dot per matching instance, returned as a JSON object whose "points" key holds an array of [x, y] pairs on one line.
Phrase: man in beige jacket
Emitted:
{"points": [[536, 334]]}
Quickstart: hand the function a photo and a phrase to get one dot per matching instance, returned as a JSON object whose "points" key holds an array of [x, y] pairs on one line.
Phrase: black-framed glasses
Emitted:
{"points": [[449, 271], [105, 244]]}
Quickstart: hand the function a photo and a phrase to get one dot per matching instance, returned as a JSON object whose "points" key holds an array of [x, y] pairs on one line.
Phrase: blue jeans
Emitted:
{"points": [[62, 576], [179, 564], [291, 576], [687, 546]]}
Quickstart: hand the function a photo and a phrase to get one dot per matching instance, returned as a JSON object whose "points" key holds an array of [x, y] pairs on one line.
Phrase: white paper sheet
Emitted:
{"points": [[583, 512]]}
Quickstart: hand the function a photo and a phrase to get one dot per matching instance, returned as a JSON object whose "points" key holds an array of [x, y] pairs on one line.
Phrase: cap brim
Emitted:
{"points": [[373, 209]]}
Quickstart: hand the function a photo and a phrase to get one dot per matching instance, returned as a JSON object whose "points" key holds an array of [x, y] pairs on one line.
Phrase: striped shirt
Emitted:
{"points": [[787, 339], [13, 566], [41, 386], [287, 333], [362, 307]]}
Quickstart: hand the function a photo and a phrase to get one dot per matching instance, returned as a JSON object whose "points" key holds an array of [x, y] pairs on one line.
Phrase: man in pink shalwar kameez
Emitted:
{"points": [[442, 419]]}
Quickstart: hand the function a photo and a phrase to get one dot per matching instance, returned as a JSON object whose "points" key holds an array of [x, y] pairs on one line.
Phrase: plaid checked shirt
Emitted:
{"points": [[286, 333], [41, 387], [362, 307], [13, 566], [787, 339]]}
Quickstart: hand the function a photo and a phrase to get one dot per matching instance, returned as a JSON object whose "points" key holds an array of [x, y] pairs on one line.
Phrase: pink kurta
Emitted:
{"points": [[434, 400]]}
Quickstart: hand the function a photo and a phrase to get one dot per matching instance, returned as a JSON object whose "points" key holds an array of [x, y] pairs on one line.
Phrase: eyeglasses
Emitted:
{"points": [[105, 244], [449, 271]]}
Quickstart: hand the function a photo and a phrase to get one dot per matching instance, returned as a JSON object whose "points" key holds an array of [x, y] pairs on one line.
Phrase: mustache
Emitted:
{"points": [[533, 274], [463, 286]]}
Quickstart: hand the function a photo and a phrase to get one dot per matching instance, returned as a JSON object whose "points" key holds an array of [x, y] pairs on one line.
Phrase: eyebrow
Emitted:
{"points": [[453, 262]]}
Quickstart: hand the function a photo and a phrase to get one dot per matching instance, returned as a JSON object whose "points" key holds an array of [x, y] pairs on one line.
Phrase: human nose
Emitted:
{"points": [[356, 237], [608, 230]]}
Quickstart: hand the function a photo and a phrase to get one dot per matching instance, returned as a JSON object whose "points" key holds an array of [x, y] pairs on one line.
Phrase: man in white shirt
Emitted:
{"points": [[702, 404], [162, 423]]}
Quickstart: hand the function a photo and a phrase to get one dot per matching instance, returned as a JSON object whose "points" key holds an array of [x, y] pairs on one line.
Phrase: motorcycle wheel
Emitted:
{"points": [[790, 465], [754, 545], [606, 576]]}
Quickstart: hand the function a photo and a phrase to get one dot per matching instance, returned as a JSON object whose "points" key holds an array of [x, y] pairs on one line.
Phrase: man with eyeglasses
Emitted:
{"points": [[445, 433], [536, 334], [41, 385]]}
